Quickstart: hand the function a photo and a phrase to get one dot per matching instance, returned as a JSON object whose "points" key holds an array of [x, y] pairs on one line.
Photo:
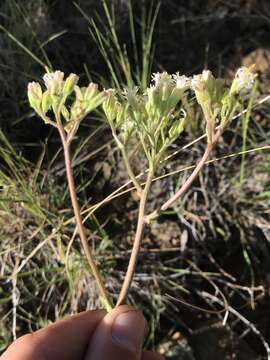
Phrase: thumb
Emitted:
{"points": [[119, 336]]}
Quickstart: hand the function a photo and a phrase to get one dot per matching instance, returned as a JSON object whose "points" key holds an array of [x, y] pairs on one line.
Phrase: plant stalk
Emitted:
{"points": [[169, 203], [137, 241], [81, 230], [189, 181]]}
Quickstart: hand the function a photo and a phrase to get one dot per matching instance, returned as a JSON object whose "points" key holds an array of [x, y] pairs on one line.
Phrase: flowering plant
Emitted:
{"points": [[155, 118]]}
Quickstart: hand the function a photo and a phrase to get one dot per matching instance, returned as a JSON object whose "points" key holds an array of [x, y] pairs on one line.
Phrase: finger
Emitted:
{"points": [[67, 339], [149, 355], [119, 336]]}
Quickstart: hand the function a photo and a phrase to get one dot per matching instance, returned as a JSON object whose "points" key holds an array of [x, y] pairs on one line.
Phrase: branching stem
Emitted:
{"points": [[143, 220], [189, 181], [137, 241], [169, 203]]}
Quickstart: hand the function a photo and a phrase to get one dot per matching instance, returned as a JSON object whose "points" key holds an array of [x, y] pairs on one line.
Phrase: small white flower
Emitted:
{"points": [[163, 84], [90, 91], [162, 79], [54, 81], [70, 83], [34, 89], [199, 82], [244, 79], [109, 92], [181, 81]]}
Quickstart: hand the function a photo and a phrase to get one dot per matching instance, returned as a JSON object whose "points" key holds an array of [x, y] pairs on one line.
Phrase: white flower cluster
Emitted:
{"points": [[181, 81], [56, 94], [244, 80], [157, 105], [54, 81], [199, 82], [164, 79]]}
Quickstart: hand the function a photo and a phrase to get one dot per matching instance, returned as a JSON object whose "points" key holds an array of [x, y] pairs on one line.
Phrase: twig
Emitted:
{"points": [[137, 241]]}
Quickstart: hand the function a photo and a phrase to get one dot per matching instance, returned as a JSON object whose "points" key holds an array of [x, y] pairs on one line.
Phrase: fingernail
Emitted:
{"points": [[128, 330]]}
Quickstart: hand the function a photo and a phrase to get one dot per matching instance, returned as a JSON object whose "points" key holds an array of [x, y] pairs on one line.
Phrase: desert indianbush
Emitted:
{"points": [[155, 118]]}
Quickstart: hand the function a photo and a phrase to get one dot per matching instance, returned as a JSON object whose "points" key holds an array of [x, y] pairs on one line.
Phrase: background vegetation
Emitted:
{"points": [[203, 275]]}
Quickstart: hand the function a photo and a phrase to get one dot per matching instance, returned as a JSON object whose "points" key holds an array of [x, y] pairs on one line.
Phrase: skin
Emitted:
{"points": [[87, 336]]}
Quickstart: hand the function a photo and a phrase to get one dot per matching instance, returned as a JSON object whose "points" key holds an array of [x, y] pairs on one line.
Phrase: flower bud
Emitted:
{"points": [[79, 92], [109, 105], [35, 95], [162, 79], [91, 91], [35, 90], [93, 97], [69, 84], [46, 102], [204, 86]]}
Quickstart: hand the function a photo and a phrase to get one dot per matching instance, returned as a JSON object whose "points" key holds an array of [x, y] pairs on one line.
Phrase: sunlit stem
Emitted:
{"points": [[81, 230]]}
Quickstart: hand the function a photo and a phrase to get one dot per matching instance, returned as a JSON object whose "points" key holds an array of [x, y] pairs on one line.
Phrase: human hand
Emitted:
{"points": [[91, 335]]}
